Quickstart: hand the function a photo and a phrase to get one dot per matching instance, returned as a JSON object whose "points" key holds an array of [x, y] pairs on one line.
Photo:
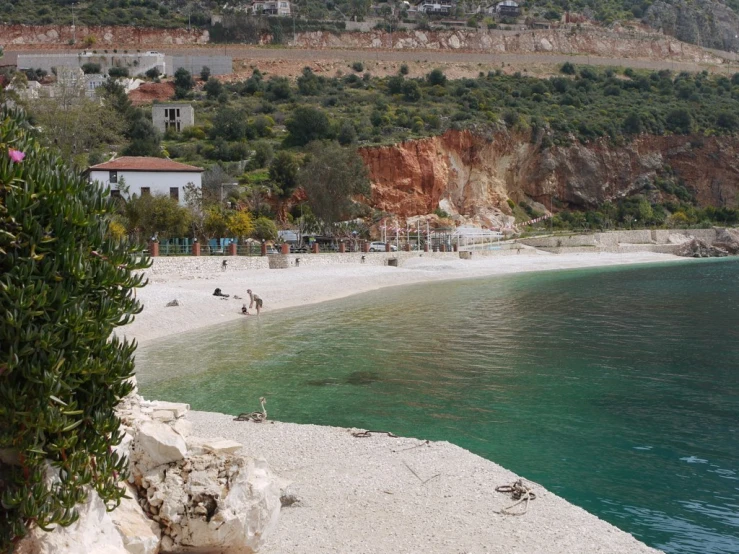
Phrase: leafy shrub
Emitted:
{"points": [[118, 72], [183, 79], [213, 88], [264, 229], [90, 68], [66, 285], [411, 91], [308, 124], [436, 77], [358, 67]]}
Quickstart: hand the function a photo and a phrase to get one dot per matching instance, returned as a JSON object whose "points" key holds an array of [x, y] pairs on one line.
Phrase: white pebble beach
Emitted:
{"points": [[380, 494]]}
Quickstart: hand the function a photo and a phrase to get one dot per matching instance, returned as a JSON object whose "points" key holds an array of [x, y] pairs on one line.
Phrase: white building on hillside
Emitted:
{"points": [[142, 176]]}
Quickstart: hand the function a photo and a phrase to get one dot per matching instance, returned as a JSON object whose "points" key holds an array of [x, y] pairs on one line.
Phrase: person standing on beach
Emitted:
{"points": [[254, 299]]}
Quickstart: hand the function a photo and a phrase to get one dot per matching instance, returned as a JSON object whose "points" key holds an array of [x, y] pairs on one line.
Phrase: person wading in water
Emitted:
{"points": [[254, 299]]}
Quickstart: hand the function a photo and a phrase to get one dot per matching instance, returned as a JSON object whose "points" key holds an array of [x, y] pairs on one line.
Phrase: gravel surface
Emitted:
{"points": [[403, 495], [285, 288], [381, 494]]}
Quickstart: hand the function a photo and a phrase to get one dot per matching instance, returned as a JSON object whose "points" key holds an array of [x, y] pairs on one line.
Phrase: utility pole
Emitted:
{"points": [[74, 27]]}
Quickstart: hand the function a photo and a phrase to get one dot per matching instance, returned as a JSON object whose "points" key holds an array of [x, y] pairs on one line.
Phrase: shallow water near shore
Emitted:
{"points": [[616, 388]]}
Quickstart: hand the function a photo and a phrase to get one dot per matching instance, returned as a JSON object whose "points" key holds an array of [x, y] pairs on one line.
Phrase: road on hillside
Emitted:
{"points": [[435, 56]]}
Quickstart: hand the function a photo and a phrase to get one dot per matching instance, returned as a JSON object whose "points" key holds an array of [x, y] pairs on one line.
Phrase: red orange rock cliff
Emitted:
{"points": [[473, 176]]}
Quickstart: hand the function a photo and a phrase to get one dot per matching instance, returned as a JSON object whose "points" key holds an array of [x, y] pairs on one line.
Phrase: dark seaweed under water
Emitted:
{"points": [[616, 388]]}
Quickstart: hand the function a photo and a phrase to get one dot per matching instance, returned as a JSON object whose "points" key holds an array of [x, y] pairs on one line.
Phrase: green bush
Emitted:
{"points": [[90, 68], [358, 67], [66, 285], [118, 72], [264, 229]]}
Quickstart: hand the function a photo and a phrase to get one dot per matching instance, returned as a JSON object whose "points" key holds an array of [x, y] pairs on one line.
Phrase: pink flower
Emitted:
{"points": [[16, 155]]}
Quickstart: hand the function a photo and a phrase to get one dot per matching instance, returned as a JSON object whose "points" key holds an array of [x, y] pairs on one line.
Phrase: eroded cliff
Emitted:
{"points": [[473, 176]]}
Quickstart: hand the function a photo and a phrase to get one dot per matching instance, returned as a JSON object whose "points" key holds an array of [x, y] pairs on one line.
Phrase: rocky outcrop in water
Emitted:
{"points": [[728, 239], [697, 248], [704, 22]]}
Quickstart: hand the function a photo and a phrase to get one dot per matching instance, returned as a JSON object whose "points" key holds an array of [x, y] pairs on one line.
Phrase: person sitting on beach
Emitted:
{"points": [[254, 300]]}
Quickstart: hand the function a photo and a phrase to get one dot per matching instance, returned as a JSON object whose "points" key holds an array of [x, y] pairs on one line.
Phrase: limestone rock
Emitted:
{"points": [[140, 535], [183, 427], [93, 533], [705, 22], [156, 444], [727, 239], [178, 409], [697, 248], [212, 503], [222, 446]]}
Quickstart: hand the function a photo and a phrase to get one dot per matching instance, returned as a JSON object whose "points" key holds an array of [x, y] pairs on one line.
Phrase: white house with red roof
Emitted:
{"points": [[142, 176]]}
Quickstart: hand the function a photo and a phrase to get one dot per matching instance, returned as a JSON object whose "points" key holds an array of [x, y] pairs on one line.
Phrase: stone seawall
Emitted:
{"points": [[663, 241], [198, 267], [202, 267]]}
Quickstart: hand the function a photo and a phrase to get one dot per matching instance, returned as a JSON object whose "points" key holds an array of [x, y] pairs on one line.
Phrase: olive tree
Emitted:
{"points": [[65, 284], [331, 177]]}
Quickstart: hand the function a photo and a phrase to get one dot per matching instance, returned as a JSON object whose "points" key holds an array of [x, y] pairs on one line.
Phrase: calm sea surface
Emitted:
{"points": [[618, 389]]}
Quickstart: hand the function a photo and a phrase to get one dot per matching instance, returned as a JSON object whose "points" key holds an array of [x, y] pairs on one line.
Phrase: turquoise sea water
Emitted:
{"points": [[617, 388]]}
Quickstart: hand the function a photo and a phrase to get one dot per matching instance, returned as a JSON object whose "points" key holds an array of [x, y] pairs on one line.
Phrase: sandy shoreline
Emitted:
{"points": [[381, 494], [292, 287]]}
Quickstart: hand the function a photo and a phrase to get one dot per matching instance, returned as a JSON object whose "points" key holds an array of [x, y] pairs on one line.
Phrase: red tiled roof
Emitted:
{"points": [[142, 163]]}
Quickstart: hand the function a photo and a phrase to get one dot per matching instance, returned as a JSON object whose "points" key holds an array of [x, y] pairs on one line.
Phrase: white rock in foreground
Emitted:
{"points": [[215, 503], [140, 535], [93, 533], [156, 444], [194, 495]]}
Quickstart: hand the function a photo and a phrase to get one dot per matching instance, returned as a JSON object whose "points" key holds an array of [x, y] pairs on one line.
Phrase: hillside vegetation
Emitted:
{"points": [[710, 23], [261, 132], [582, 104]]}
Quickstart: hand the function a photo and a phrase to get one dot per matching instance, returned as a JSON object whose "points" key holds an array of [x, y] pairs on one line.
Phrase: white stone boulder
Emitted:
{"points": [[93, 533], [214, 503], [222, 446], [156, 444], [200, 445], [177, 409], [140, 534]]}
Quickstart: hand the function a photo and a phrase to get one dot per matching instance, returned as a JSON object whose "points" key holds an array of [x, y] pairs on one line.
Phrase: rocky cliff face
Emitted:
{"points": [[705, 22], [619, 42], [63, 35], [473, 176]]}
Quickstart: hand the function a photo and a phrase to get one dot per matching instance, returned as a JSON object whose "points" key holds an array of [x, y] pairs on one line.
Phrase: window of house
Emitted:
{"points": [[283, 4], [178, 112], [115, 193], [113, 177], [174, 192], [145, 191]]}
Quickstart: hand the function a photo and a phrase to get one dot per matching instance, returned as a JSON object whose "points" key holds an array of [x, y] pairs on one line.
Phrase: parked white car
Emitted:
{"points": [[380, 247]]}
